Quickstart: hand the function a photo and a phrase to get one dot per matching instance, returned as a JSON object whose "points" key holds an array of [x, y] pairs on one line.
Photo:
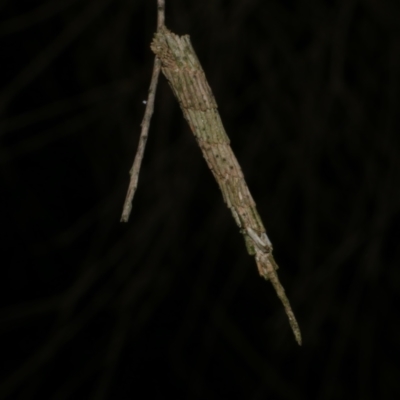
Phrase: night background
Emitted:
{"points": [[170, 305]]}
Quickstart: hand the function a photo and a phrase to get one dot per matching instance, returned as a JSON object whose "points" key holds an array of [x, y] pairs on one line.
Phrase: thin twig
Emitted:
{"points": [[267, 268], [160, 14], [135, 170]]}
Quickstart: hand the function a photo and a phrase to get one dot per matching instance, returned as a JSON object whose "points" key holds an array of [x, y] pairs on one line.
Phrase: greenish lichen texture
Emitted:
{"points": [[186, 77]]}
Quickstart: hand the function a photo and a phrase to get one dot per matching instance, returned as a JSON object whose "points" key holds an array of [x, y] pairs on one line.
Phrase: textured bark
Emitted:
{"points": [[186, 77]]}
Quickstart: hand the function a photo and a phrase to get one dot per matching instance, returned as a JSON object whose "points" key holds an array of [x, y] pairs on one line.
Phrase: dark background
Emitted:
{"points": [[170, 305]]}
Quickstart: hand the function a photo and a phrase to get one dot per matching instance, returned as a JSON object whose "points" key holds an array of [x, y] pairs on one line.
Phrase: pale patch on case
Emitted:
{"points": [[236, 217], [266, 240], [257, 240]]}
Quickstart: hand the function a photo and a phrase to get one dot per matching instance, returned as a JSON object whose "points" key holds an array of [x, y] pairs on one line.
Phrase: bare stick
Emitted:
{"points": [[135, 170], [186, 77], [160, 14], [267, 268]]}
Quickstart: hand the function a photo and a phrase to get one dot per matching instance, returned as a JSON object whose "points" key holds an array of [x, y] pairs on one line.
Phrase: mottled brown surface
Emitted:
{"points": [[170, 305], [186, 77]]}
